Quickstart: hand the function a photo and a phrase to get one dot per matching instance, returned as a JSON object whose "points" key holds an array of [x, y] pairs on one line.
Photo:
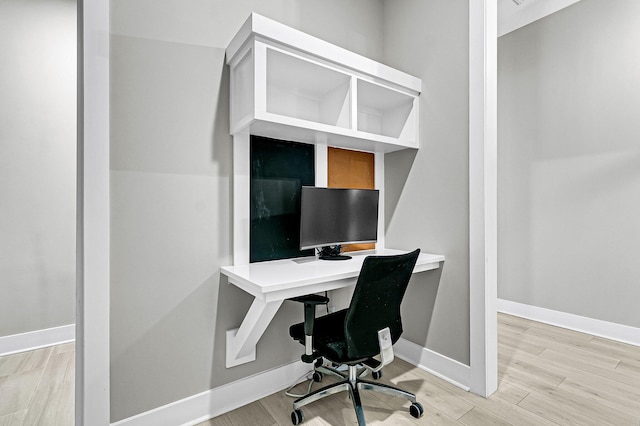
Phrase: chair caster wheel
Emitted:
{"points": [[318, 362], [415, 410], [317, 376], [297, 417], [376, 375]]}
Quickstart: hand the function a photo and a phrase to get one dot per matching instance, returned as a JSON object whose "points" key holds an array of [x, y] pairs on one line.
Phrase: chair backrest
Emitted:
{"points": [[375, 303]]}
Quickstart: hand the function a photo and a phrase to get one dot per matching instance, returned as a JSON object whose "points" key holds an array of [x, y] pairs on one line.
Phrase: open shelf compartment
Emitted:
{"points": [[306, 90], [384, 111]]}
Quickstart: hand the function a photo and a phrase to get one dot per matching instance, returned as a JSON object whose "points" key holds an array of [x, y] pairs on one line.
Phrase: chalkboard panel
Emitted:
{"points": [[279, 169]]}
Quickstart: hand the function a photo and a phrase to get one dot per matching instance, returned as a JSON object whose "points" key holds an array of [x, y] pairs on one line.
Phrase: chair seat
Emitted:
{"points": [[328, 337]]}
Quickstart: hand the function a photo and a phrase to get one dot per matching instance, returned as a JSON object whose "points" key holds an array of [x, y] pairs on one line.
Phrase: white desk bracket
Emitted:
{"points": [[241, 342]]}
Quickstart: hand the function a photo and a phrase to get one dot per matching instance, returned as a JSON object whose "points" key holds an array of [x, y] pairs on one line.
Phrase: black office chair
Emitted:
{"points": [[351, 336]]}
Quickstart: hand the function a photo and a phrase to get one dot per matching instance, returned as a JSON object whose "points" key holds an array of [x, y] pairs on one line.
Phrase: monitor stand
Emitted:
{"points": [[332, 253], [334, 257]]}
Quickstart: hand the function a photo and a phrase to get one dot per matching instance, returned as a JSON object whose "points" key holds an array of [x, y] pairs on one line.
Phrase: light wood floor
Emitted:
{"points": [[547, 376], [37, 387]]}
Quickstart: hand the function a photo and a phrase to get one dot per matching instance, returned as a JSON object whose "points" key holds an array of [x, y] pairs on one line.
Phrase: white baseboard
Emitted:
{"points": [[206, 405], [37, 339], [609, 330], [448, 369], [214, 402]]}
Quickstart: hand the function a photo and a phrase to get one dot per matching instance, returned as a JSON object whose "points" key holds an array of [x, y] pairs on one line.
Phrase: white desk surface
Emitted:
{"points": [[300, 274], [274, 281]]}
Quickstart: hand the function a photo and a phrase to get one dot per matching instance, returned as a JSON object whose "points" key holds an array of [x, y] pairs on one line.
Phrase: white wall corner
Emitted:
{"points": [[92, 378], [483, 196], [608, 330]]}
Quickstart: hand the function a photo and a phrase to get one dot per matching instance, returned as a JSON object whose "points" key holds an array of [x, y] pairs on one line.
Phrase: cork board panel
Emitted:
{"points": [[351, 169]]}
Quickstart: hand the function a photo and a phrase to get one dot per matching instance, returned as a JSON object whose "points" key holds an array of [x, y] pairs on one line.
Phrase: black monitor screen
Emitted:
{"points": [[331, 216]]}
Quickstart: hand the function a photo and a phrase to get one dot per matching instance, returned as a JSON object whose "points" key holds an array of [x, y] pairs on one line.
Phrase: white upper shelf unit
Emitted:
{"points": [[286, 84]]}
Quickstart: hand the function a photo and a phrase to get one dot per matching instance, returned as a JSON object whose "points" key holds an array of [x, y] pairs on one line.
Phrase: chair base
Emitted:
{"points": [[353, 384]]}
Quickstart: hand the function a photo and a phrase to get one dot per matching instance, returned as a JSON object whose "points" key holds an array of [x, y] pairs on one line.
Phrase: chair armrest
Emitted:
{"points": [[310, 302], [312, 299]]}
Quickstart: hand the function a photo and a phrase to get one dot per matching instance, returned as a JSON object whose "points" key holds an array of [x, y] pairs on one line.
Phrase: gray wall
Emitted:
{"points": [[171, 191], [569, 162], [427, 193], [37, 164]]}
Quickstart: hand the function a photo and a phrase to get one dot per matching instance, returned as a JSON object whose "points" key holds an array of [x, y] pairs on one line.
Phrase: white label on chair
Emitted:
{"points": [[386, 346]]}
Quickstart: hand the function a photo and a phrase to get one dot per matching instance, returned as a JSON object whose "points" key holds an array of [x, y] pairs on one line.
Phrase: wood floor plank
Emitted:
{"points": [[629, 368], [17, 389], [392, 411], [517, 340], [436, 418], [510, 393], [24, 361], [586, 365], [617, 401], [42, 409], [428, 388], [579, 375], [502, 405], [278, 405], [579, 348], [431, 416], [620, 348], [65, 347], [251, 414], [531, 374], [545, 407], [222, 420], [564, 407], [10, 364], [15, 419], [6, 420], [333, 410], [512, 321], [583, 357], [557, 333], [65, 413], [479, 417], [53, 399]]}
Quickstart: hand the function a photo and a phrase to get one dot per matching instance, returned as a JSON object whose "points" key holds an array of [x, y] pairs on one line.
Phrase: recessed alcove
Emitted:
{"points": [[294, 88]]}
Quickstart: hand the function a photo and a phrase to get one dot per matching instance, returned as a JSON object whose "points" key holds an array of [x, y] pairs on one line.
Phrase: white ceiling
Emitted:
{"points": [[512, 16]]}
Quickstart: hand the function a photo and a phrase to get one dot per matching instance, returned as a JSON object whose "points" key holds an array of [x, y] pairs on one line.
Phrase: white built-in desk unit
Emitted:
{"points": [[288, 85]]}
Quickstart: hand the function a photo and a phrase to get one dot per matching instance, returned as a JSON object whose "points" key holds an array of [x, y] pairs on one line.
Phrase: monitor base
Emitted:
{"points": [[332, 253], [335, 257]]}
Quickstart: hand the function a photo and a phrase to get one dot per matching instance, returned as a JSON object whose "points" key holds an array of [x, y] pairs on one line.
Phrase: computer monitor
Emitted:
{"points": [[331, 217]]}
